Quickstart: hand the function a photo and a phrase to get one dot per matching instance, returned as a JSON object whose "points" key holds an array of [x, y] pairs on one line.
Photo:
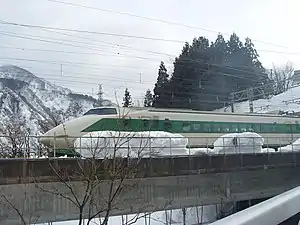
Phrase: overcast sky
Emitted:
{"points": [[119, 62]]}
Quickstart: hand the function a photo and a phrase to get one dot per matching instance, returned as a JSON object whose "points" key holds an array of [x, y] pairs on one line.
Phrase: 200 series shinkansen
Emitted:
{"points": [[202, 128]]}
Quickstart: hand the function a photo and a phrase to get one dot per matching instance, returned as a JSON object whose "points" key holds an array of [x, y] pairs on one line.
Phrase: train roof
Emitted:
{"points": [[116, 110]]}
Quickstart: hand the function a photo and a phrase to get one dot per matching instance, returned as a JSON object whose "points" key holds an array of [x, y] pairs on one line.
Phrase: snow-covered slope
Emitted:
{"points": [[287, 101], [36, 103]]}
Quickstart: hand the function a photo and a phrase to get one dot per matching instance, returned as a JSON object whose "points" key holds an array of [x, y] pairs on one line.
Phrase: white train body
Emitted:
{"points": [[202, 128]]}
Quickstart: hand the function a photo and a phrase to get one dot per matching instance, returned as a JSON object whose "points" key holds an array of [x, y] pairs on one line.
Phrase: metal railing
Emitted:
{"points": [[134, 146], [270, 212]]}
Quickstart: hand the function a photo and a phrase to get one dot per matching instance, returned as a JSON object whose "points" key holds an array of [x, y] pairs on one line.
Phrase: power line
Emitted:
{"points": [[167, 92], [121, 45], [132, 87], [79, 53], [110, 43], [54, 77], [10, 34], [94, 77], [86, 75], [54, 41], [157, 20], [74, 64], [92, 32]]}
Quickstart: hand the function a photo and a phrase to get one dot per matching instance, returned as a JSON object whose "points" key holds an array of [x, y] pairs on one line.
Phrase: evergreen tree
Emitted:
{"points": [[187, 79], [206, 73], [127, 101], [160, 97], [148, 100]]}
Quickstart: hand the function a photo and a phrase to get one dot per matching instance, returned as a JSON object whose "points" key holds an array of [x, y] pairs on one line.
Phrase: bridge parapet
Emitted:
{"points": [[15, 171]]}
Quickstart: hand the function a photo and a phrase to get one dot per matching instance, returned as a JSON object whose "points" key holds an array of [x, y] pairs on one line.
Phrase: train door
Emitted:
{"points": [[290, 137], [167, 125], [145, 123], [126, 122]]}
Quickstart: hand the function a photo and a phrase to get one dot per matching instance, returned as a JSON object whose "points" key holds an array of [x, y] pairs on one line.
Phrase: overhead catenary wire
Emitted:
{"points": [[189, 60], [94, 47], [75, 64], [80, 53], [121, 45], [109, 43], [76, 83], [54, 41], [57, 78], [157, 20], [226, 67], [90, 45], [93, 32], [123, 86]]}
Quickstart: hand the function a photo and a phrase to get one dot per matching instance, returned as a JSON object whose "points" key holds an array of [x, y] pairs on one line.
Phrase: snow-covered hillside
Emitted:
{"points": [[287, 101], [36, 103]]}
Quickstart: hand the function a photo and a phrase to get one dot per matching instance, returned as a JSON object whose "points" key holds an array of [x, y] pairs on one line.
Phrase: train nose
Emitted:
{"points": [[64, 135], [56, 137]]}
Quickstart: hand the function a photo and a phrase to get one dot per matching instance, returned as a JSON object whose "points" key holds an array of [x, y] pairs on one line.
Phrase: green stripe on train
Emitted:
{"points": [[178, 126]]}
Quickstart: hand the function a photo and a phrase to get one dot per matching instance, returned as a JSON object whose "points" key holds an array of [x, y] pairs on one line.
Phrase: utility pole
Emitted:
{"points": [[140, 78], [250, 97], [100, 95], [184, 216], [232, 102]]}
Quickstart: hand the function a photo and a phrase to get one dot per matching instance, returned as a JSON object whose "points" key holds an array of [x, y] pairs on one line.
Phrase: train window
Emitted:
{"points": [[101, 111], [186, 126], [226, 128], [197, 127], [234, 127], [244, 127], [206, 127], [255, 127], [216, 127], [268, 128]]}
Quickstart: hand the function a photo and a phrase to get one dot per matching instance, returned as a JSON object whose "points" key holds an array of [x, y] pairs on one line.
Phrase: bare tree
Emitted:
{"points": [[14, 137], [18, 208], [282, 77], [106, 180]]}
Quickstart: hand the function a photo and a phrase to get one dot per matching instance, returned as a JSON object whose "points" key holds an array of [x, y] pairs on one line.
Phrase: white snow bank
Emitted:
{"points": [[287, 101], [123, 144], [295, 146], [200, 151], [246, 142], [267, 150]]}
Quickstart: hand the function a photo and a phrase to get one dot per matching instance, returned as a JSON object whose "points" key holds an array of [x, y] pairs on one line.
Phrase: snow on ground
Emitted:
{"points": [[287, 101], [157, 144], [247, 142], [267, 150], [295, 146], [193, 216], [200, 151], [142, 144]]}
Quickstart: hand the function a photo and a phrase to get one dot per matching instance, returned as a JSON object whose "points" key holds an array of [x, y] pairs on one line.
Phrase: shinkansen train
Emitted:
{"points": [[202, 128]]}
